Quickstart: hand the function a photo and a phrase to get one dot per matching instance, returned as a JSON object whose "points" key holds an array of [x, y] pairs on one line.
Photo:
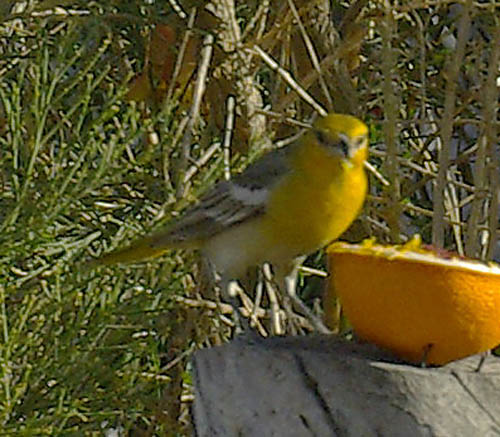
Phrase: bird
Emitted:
{"points": [[289, 203]]}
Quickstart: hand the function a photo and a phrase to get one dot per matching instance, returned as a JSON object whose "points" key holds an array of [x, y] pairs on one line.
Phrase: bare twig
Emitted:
{"points": [[200, 162], [199, 89], [312, 53], [289, 80], [390, 124], [182, 52], [491, 96], [228, 134], [377, 174], [452, 70]]}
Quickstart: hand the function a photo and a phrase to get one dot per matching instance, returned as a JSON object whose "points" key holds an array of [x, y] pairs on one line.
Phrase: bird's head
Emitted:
{"points": [[344, 136]]}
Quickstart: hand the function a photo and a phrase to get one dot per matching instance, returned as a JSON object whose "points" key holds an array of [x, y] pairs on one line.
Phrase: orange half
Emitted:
{"points": [[414, 302]]}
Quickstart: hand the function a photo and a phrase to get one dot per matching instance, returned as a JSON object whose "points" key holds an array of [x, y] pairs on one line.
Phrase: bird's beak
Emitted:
{"points": [[345, 148]]}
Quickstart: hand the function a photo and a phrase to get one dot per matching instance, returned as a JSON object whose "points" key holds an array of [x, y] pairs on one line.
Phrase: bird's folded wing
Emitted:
{"points": [[228, 203]]}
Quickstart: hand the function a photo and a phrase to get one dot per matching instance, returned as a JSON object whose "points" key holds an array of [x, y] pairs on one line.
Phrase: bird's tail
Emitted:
{"points": [[147, 247]]}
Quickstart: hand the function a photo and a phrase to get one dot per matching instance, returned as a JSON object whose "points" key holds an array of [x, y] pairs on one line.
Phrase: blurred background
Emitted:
{"points": [[116, 115]]}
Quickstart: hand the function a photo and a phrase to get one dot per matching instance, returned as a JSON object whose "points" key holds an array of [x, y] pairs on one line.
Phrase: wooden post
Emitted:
{"points": [[320, 386]]}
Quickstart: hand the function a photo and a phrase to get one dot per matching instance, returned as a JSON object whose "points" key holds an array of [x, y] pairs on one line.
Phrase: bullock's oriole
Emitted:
{"points": [[289, 203]]}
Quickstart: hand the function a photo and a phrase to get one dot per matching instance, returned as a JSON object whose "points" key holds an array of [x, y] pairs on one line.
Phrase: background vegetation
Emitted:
{"points": [[107, 131]]}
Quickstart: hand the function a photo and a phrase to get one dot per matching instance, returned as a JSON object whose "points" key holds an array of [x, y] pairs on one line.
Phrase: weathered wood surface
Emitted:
{"points": [[318, 386]]}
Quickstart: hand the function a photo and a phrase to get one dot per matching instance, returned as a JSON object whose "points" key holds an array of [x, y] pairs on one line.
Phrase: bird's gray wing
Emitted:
{"points": [[229, 203]]}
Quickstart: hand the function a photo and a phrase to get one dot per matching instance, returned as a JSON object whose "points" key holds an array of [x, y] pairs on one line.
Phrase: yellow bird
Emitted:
{"points": [[289, 203]]}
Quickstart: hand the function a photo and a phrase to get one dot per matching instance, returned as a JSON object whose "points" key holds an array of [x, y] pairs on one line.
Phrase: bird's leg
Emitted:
{"points": [[291, 274], [289, 280], [276, 325], [288, 284], [229, 291]]}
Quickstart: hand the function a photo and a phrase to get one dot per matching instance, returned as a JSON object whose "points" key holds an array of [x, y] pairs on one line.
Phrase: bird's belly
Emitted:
{"points": [[237, 248], [249, 244]]}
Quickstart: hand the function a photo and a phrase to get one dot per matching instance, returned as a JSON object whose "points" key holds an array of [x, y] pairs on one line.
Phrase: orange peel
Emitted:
{"points": [[423, 305]]}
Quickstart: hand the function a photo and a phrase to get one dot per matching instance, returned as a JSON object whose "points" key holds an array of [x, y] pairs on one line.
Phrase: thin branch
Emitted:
{"points": [[199, 90], [287, 77], [228, 134], [452, 70], [312, 53], [389, 68], [181, 54], [491, 96]]}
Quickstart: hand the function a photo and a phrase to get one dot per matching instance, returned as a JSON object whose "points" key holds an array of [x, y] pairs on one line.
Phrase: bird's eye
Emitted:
{"points": [[321, 137], [341, 143], [359, 141]]}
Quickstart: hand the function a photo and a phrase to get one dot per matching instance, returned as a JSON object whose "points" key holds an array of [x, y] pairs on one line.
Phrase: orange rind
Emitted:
{"points": [[423, 305]]}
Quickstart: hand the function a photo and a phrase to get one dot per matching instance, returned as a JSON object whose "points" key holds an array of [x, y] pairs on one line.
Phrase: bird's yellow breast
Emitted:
{"points": [[316, 202]]}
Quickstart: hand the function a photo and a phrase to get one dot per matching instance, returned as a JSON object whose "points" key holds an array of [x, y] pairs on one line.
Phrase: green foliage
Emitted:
{"points": [[81, 352]]}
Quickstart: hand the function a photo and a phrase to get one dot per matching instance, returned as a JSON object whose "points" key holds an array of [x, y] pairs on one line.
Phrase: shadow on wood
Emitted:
{"points": [[321, 386]]}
